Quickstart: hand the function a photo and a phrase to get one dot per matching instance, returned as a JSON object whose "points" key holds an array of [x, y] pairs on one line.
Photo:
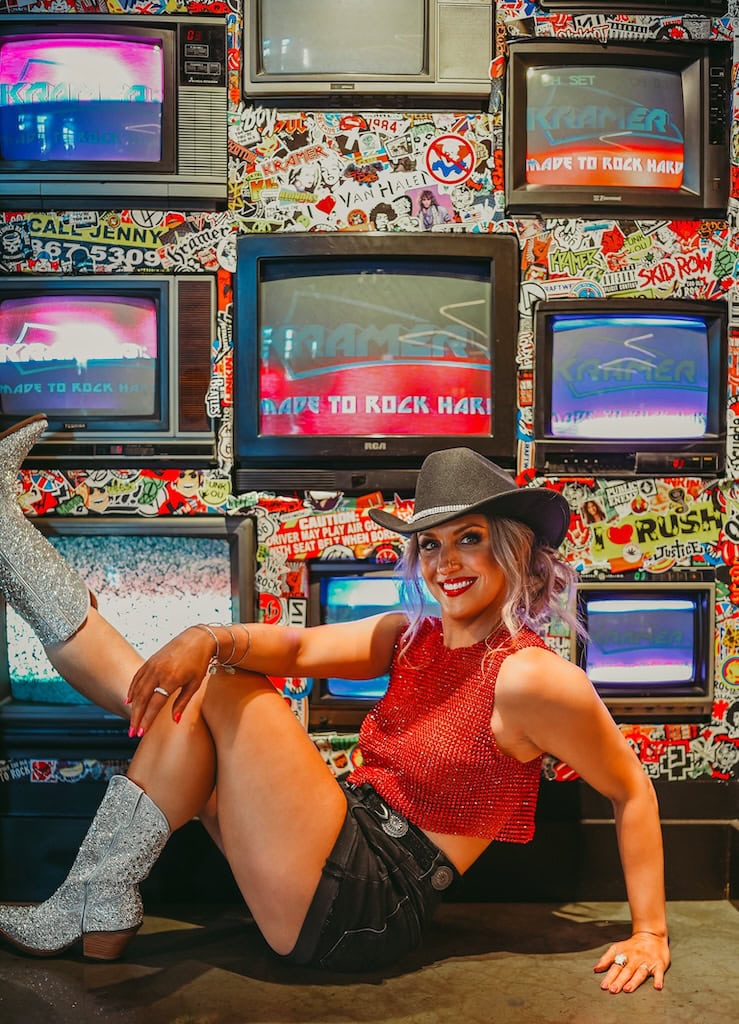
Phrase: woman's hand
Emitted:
{"points": [[182, 665], [629, 964]]}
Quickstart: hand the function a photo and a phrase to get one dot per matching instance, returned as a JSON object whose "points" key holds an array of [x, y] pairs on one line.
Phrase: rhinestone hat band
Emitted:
{"points": [[436, 510]]}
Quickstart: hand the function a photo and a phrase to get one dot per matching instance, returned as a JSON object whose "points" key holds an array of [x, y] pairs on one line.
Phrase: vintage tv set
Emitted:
{"points": [[626, 387], [152, 578], [621, 129], [343, 591], [649, 649], [432, 51], [358, 353], [110, 112], [119, 364]]}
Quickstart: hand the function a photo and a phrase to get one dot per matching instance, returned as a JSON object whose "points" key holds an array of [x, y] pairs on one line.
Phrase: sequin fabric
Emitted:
{"points": [[100, 893], [34, 578], [428, 748]]}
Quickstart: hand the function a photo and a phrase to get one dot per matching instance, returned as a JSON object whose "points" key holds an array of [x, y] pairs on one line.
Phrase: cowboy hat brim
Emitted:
{"points": [[545, 511]]}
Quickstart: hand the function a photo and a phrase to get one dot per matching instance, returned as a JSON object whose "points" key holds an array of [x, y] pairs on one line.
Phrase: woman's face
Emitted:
{"points": [[458, 567]]}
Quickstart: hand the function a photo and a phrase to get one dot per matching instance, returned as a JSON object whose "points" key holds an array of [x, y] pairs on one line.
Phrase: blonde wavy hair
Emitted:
{"points": [[539, 582]]}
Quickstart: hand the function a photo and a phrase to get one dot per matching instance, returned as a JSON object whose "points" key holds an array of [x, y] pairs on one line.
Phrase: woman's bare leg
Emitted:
{"points": [[98, 662], [279, 808]]}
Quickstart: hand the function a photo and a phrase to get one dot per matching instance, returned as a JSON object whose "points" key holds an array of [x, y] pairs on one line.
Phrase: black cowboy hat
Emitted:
{"points": [[454, 481]]}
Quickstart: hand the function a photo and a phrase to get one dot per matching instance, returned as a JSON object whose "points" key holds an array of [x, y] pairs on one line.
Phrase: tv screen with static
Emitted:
{"points": [[72, 97], [149, 587]]}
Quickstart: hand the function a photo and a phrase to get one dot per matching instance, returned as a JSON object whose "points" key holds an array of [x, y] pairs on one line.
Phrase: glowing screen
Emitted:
{"points": [[641, 377], [640, 641], [77, 97], [78, 355], [368, 349], [346, 598], [605, 127], [149, 588]]}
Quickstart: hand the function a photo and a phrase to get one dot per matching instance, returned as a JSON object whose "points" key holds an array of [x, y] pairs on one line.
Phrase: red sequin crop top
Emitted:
{"points": [[428, 748]]}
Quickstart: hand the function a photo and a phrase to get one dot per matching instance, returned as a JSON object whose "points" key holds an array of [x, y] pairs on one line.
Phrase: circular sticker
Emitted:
{"points": [[450, 159]]}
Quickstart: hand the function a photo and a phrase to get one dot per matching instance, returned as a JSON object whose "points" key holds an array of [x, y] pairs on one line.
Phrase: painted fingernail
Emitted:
{"points": [[140, 732], [127, 700], [130, 732], [177, 716]]}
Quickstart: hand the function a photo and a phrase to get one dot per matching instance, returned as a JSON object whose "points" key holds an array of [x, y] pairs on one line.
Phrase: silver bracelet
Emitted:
{"points": [[202, 625], [248, 644]]}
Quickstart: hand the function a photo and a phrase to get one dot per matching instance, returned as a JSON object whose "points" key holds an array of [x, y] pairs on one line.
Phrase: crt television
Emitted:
{"points": [[343, 591], [616, 128], [107, 112], [627, 387], [649, 644], [357, 354], [429, 50], [151, 577], [119, 364]]}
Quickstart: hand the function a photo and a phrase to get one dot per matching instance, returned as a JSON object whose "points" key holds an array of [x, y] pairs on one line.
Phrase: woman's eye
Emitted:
{"points": [[473, 537], [427, 544]]}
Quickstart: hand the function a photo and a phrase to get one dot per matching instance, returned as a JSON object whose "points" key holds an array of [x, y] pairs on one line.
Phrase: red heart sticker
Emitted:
{"points": [[620, 534], [326, 204]]}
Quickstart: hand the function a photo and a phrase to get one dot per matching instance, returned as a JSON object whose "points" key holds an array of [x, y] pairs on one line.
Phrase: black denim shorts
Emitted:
{"points": [[380, 885]]}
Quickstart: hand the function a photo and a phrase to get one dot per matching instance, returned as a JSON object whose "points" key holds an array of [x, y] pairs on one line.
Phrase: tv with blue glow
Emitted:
{"points": [[630, 386], [648, 648], [344, 591]]}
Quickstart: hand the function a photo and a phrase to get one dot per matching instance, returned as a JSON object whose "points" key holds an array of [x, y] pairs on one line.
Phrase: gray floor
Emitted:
{"points": [[491, 963]]}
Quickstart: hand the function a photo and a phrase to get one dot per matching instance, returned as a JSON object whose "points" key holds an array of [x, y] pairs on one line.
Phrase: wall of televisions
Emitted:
{"points": [[190, 218]]}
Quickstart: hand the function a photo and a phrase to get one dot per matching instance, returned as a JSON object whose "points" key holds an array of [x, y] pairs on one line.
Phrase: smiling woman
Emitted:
{"points": [[346, 875]]}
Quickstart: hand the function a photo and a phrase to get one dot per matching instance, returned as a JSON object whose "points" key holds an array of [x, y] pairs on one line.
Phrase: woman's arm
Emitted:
{"points": [[358, 650], [547, 702]]}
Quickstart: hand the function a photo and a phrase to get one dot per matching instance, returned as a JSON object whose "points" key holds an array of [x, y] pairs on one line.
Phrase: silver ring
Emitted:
{"points": [[160, 689], [621, 959]]}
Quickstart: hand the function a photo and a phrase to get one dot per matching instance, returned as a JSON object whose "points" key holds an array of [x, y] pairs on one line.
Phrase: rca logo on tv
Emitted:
{"points": [[375, 446]]}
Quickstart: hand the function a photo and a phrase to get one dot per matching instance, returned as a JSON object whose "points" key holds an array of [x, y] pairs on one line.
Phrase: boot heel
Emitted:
{"points": [[106, 945]]}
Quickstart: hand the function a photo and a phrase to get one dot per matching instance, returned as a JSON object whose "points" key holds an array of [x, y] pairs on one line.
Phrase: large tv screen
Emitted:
{"points": [[356, 354]]}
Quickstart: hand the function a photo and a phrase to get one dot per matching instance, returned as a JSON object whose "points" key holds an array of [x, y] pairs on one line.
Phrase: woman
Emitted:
{"points": [[344, 876]]}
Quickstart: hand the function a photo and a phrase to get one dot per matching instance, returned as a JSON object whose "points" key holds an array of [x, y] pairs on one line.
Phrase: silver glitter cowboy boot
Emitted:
{"points": [[99, 901], [34, 578]]}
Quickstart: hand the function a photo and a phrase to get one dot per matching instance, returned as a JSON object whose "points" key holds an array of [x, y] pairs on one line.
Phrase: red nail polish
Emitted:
{"points": [[127, 700], [130, 732], [140, 732], [177, 716]]}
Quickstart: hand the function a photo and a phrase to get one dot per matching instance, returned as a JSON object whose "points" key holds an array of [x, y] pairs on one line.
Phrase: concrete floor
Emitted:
{"points": [[481, 964]]}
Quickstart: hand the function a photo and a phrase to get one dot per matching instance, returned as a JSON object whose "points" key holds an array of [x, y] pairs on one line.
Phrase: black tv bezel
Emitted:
{"points": [[361, 463], [707, 164], [166, 36], [30, 723], [630, 457], [80, 440], [665, 703]]}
